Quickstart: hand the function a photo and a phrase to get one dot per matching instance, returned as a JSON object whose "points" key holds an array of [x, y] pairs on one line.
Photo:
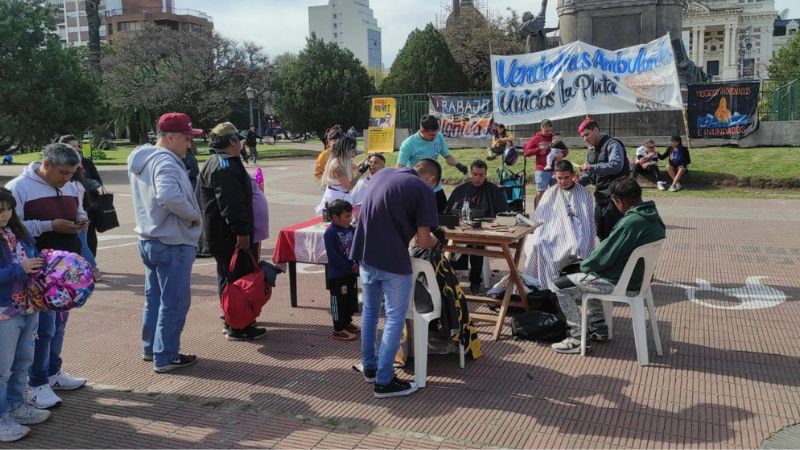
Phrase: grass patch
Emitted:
{"points": [[712, 168], [119, 155]]}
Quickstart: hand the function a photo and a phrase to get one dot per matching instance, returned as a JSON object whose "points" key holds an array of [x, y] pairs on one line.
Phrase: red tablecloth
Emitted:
{"points": [[302, 242]]}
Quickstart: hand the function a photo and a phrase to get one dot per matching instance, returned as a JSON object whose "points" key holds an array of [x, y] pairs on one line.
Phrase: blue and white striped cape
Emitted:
{"points": [[568, 229]]}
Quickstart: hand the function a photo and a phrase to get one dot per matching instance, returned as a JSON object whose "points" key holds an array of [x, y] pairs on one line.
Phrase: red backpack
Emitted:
{"points": [[243, 298]]}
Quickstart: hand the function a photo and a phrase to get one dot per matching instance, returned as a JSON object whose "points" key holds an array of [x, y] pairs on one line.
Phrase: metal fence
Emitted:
{"points": [[779, 100]]}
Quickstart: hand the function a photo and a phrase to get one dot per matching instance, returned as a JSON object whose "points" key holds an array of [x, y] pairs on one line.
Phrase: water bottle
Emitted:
{"points": [[465, 212], [260, 179]]}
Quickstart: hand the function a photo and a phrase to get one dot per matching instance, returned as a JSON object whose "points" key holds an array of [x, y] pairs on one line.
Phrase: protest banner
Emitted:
{"points": [[580, 79], [380, 134], [723, 110], [462, 117]]}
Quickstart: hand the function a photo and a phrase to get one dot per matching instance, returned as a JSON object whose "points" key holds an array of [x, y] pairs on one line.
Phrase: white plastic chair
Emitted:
{"points": [[421, 320], [644, 298]]}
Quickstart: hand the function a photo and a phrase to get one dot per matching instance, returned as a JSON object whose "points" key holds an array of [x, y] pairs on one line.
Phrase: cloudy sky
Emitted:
{"points": [[281, 26]]}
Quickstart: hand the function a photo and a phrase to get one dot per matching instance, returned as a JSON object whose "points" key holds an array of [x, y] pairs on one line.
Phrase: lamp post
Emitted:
{"points": [[744, 54], [251, 94]]}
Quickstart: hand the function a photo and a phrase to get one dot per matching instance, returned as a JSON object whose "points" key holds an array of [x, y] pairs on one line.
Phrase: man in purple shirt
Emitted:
{"points": [[399, 204]]}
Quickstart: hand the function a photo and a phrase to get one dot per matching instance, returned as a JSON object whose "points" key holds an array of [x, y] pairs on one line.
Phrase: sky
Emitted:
{"points": [[281, 26]]}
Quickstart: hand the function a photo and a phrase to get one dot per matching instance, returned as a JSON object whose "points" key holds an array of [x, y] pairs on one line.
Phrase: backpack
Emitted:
{"points": [[538, 326], [65, 281], [243, 297]]}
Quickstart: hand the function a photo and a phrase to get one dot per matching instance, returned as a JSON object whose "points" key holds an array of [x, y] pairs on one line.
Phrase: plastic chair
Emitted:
{"points": [[644, 298], [421, 320]]}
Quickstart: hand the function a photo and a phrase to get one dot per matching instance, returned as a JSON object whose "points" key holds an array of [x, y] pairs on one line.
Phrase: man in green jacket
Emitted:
{"points": [[599, 273]]}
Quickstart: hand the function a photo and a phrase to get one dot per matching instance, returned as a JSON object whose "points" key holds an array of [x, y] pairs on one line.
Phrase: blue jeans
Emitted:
{"points": [[167, 296], [85, 251], [16, 355], [50, 341], [396, 289]]}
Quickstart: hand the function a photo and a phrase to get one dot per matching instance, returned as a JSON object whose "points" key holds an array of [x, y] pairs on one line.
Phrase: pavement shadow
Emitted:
{"points": [[124, 419], [202, 285]]}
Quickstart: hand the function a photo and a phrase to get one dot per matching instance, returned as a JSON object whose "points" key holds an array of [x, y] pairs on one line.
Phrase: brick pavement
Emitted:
{"points": [[728, 378]]}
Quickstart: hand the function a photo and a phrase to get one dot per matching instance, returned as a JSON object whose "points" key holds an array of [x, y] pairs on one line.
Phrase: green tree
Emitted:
{"points": [[93, 19], [44, 88], [198, 73], [425, 64], [322, 86], [786, 64], [472, 39]]}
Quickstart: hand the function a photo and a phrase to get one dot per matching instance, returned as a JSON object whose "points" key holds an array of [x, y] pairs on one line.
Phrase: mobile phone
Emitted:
{"points": [[81, 222]]}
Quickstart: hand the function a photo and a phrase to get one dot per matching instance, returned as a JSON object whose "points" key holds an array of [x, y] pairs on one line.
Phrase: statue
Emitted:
{"points": [[688, 71], [533, 30]]}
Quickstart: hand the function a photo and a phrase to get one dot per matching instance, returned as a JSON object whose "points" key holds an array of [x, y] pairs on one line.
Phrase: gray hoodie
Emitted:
{"points": [[163, 200]]}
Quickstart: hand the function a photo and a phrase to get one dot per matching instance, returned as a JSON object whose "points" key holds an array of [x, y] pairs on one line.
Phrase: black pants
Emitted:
{"points": [[441, 201], [651, 174], [344, 300], [475, 263], [91, 238], [606, 215], [243, 266], [253, 153]]}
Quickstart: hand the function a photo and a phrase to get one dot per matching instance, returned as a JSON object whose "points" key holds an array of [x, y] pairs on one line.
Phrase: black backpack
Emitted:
{"points": [[538, 326]]}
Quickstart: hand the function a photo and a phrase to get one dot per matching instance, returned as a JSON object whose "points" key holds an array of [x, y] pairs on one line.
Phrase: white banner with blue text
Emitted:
{"points": [[580, 79]]}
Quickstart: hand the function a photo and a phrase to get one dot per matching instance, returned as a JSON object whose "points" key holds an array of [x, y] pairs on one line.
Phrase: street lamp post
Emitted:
{"points": [[251, 94]]}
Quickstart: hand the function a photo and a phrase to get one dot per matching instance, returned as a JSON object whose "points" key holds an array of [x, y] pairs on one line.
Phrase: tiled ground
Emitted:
{"points": [[727, 380]]}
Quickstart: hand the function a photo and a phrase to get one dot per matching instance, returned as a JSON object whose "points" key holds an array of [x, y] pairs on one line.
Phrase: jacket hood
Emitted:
{"points": [[646, 210], [31, 172], [141, 156]]}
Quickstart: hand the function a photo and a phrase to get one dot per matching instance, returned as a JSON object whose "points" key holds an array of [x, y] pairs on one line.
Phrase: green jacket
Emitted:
{"points": [[641, 225]]}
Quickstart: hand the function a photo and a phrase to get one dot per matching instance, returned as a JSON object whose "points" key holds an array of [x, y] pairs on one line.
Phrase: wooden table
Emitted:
{"points": [[502, 239]]}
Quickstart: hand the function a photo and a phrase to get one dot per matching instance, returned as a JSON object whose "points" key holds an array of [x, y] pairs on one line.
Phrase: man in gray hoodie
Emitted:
{"points": [[168, 222]]}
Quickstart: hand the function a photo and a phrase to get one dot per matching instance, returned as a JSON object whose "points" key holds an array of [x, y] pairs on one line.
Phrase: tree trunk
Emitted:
{"points": [[93, 17]]}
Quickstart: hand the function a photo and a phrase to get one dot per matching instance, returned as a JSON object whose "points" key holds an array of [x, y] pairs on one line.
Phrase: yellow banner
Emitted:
{"points": [[380, 135]]}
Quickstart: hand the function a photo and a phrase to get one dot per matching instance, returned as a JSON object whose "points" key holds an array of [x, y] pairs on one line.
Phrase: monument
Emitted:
{"points": [[533, 31]]}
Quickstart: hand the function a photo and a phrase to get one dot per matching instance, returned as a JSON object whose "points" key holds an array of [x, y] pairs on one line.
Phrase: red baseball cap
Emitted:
{"points": [[177, 123], [583, 124]]}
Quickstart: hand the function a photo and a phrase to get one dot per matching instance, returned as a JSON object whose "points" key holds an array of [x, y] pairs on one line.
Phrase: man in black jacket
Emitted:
{"points": [[251, 140], [225, 196], [605, 162]]}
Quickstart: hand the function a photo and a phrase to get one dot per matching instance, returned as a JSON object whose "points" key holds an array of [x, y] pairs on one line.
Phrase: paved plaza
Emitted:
{"points": [[726, 293]]}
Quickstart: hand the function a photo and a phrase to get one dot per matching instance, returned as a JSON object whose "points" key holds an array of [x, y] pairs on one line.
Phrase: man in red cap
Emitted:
{"points": [[168, 222], [606, 161]]}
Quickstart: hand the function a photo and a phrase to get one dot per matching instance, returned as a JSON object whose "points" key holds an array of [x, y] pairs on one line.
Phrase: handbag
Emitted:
{"points": [[104, 216], [243, 298]]}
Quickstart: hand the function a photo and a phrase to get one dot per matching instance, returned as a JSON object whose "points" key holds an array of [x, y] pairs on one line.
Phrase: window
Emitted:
{"points": [[334, 25], [334, 16], [712, 68], [335, 35], [129, 26], [792, 31]]}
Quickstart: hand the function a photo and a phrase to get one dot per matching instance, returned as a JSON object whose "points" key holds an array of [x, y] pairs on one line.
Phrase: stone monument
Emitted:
{"points": [[614, 24], [533, 31]]}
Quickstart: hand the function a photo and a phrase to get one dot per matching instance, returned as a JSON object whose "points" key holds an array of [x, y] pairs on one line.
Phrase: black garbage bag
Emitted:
{"points": [[538, 326]]}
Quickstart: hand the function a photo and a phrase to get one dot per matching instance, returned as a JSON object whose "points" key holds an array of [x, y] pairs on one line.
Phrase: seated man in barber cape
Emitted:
{"points": [[566, 211]]}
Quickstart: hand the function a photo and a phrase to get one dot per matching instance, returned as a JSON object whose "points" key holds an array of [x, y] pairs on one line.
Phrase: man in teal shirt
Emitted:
{"points": [[428, 143], [600, 271]]}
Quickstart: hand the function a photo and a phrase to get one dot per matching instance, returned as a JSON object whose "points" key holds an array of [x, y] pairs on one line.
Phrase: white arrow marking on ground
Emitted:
{"points": [[753, 295]]}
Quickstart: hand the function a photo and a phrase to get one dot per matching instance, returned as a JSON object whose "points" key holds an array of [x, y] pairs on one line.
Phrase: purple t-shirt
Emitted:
{"points": [[396, 203]]}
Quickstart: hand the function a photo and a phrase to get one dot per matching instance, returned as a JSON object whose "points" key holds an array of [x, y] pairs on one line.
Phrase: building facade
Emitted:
{"points": [[123, 18], [731, 39], [351, 25]]}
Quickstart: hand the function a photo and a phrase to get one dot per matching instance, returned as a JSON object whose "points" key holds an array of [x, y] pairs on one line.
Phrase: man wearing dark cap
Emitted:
{"points": [[226, 199], [168, 222], [605, 162], [428, 143]]}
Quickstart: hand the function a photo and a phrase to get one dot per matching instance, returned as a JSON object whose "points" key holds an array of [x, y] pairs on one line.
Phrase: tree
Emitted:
{"points": [[198, 73], [93, 19], [44, 88], [786, 64], [472, 39], [322, 86], [424, 64]]}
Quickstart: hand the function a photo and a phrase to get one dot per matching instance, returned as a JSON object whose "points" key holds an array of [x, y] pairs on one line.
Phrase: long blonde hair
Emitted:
{"points": [[342, 156]]}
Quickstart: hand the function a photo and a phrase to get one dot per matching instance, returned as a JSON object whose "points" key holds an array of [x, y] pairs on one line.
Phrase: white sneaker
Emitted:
{"points": [[28, 415], [42, 397], [662, 186], [62, 381], [10, 430], [677, 187]]}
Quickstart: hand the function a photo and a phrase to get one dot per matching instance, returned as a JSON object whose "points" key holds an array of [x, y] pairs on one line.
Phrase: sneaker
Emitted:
{"points": [[10, 430], [569, 345], [98, 275], [146, 357], [661, 186], [678, 187], [62, 381], [352, 328], [369, 374], [490, 157], [673, 188], [42, 397], [247, 334], [475, 288], [28, 415], [395, 388], [598, 336], [344, 335], [180, 361]]}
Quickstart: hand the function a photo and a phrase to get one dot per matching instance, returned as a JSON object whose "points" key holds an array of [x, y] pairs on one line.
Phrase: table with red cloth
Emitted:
{"points": [[300, 243]]}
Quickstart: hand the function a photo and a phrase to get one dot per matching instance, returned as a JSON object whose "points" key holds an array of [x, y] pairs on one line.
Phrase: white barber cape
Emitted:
{"points": [[568, 229]]}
